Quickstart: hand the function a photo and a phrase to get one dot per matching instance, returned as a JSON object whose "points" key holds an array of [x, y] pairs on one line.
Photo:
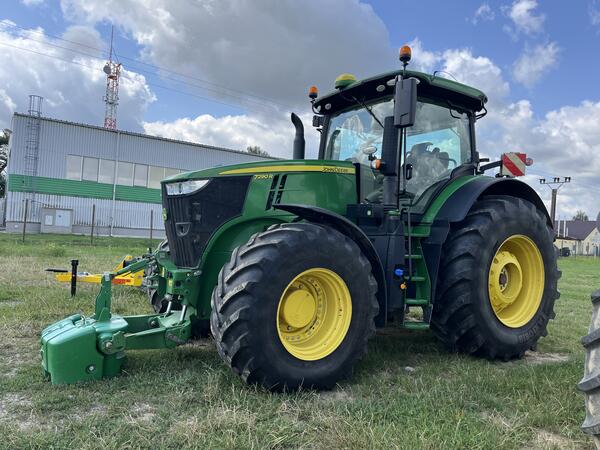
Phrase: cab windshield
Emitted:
{"points": [[438, 142]]}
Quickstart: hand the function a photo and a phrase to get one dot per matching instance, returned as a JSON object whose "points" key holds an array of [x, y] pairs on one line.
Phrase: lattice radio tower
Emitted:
{"points": [[32, 144], [111, 98]]}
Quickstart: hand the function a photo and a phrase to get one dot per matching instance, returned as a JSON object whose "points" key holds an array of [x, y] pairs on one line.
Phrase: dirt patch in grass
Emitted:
{"points": [[497, 419], [10, 402], [543, 358], [18, 410], [10, 303], [15, 354], [201, 343], [546, 440], [141, 413], [96, 409], [337, 395], [227, 416], [218, 418]]}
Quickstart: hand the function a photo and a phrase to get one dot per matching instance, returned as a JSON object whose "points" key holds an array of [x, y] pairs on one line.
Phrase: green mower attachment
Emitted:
{"points": [[81, 348]]}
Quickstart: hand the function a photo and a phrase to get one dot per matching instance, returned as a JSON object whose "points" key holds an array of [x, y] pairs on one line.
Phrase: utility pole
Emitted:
{"points": [[554, 185]]}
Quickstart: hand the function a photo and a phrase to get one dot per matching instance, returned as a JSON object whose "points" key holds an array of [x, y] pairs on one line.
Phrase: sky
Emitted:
{"points": [[229, 72]]}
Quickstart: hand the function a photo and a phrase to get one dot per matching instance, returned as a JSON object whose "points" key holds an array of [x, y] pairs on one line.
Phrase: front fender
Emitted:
{"points": [[340, 223], [218, 252]]}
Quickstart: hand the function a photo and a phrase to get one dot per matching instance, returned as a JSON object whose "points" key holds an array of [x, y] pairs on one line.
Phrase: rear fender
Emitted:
{"points": [[457, 206], [460, 202]]}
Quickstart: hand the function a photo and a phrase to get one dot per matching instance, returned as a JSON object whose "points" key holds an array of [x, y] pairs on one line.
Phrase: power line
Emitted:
{"points": [[244, 93], [577, 182], [216, 91], [155, 85]]}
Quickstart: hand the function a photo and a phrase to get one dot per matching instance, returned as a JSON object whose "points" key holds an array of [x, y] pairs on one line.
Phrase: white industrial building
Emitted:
{"points": [[63, 169]]}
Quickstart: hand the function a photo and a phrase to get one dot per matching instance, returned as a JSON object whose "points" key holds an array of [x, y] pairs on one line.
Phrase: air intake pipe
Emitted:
{"points": [[299, 143]]}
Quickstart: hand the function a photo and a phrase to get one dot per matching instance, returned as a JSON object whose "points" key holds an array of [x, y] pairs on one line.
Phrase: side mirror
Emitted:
{"points": [[405, 102], [389, 148]]}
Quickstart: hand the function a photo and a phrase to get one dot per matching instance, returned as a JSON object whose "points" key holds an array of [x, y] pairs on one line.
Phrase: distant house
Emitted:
{"points": [[581, 237]]}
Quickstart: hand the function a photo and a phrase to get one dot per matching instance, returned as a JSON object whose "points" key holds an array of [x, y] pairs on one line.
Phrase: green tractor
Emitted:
{"points": [[292, 265]]}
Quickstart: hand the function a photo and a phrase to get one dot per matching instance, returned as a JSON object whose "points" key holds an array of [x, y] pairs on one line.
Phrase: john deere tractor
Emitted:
{"points": [[293, 264]]}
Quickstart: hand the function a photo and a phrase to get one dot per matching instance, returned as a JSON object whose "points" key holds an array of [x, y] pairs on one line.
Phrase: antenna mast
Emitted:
{"points": [[111, 98]]}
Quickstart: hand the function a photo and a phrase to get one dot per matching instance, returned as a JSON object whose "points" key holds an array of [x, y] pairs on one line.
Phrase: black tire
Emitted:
{"points": [[463, 317], [590, 383], [246, 298]]}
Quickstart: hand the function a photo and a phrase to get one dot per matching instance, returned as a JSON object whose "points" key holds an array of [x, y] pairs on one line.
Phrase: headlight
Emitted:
{"points": [[185, 187]]}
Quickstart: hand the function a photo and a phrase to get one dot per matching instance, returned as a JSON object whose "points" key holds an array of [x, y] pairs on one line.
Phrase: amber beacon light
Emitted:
{"points": [[405, 54]]}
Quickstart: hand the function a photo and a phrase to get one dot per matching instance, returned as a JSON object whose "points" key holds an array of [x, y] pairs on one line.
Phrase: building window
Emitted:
{"points": [[74, 164], [128, 174], [140, 176], [155, 175], [106, 172], [125, 173], [90, 169]]}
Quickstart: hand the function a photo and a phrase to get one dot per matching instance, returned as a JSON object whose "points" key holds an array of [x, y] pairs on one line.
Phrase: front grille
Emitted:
{"points": [[193, 218]]}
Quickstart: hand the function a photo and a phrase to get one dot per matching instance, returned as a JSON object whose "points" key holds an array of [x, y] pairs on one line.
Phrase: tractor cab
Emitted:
{"points": [[439, 145]]}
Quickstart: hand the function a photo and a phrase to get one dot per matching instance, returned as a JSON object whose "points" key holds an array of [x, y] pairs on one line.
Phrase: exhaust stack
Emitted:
{"points": [[299, 143]]}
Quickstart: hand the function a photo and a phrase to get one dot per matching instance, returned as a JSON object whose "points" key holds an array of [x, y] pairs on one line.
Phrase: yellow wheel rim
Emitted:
{"points": [[314, 313], [516, 281]]}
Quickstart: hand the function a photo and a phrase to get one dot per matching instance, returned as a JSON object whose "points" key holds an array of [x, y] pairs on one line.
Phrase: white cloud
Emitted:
{"points": [[72, 84], [32, 2], [522, 13], [477, 71], [276, 49], [462, 66], [422, 59], [7, 105], [274, 52], [274, 134], [565, 142], [594, 12], [484, 13], [534, 62]]}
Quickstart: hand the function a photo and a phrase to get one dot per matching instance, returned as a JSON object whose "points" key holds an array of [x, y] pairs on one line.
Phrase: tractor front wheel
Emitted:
{"points": [[294, 307], [498, 280]]}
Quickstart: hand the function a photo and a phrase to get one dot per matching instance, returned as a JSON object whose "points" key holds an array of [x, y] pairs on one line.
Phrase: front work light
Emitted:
{"points": [[185, 187]]}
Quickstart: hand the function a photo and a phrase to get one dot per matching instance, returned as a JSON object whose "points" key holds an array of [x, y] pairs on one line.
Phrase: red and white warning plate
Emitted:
{"points": [[513, 164]]}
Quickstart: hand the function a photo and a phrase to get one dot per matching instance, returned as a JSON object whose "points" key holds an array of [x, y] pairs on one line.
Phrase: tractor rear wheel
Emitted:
{"points": [[294, 307], [590, 383], [498, 280]]}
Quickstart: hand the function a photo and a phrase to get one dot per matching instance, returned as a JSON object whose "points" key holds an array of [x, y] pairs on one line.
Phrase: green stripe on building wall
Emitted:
{"points": [[88, 189]]}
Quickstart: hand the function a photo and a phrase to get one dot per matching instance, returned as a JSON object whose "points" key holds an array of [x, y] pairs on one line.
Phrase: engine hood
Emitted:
{"points": [[265, 167]]}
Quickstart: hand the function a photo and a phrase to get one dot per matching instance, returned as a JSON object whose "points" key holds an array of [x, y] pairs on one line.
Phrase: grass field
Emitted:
{"points": [[408, 392]]}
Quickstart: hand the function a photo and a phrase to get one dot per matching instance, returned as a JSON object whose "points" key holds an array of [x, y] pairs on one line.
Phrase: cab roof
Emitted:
{"points": [[430, 86]]}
